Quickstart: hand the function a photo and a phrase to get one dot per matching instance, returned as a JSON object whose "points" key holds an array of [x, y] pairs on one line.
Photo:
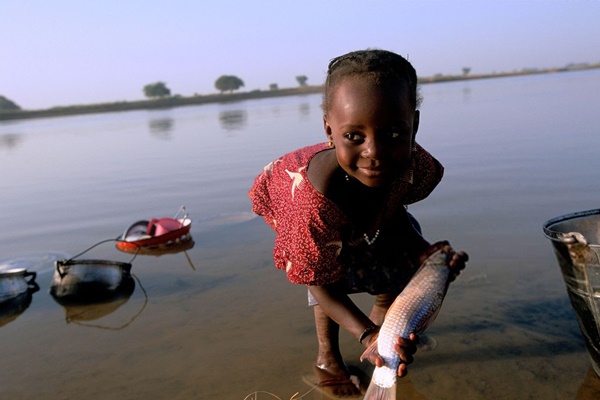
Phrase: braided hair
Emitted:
{"points": [[379, 66]]}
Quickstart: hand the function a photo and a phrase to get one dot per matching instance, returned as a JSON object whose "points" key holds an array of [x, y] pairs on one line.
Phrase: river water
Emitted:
{"points": [[217, 321]]}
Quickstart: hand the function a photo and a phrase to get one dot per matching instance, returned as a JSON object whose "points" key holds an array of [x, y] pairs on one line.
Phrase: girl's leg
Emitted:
{"points": [[329, 367], [380, 307], [329, 356]]}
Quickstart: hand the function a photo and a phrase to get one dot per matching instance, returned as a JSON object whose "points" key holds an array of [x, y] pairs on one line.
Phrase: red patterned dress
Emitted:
{"points": [[310, 228]]}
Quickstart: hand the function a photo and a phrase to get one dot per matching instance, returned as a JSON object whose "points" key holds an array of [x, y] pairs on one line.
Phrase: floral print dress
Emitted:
{"points": [[311, 230]]}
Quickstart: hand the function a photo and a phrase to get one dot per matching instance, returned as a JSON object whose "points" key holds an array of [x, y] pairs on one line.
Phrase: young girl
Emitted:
{"points": [[339, 208]]}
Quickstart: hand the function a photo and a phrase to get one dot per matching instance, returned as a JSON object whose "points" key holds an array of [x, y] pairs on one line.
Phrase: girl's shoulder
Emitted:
{"points": [[292, 169], [321, 170]]}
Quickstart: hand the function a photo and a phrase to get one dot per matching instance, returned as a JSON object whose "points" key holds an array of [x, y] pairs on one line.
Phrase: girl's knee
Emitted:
{"points": [[385, 300]]}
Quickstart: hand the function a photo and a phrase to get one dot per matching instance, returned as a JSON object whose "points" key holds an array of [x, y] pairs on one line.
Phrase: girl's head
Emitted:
{"points": [[370, 114], [378, 66]]}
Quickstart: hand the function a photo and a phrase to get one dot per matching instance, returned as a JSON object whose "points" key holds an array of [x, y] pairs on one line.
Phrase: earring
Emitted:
{"points": [[330, 144]]}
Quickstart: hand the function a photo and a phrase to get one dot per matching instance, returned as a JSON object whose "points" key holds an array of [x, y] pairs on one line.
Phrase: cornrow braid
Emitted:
{"points": [[380, 66]]}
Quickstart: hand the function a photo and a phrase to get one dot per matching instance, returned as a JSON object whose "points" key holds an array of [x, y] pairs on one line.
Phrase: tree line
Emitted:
{"points": [[224, 83], [231, 83]]}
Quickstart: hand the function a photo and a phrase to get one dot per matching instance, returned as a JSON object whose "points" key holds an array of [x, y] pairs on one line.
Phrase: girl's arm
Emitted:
{"points": [[334, 301]]}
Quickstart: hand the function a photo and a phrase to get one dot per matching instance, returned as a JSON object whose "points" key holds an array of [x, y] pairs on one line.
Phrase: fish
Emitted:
{"points": [[415, 308]]}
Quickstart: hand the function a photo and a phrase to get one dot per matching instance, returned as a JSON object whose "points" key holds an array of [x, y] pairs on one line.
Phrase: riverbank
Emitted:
{"points": [[178, 101]]}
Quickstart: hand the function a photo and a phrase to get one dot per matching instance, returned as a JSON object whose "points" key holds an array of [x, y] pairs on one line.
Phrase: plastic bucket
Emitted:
{"points": [[576, 241]]}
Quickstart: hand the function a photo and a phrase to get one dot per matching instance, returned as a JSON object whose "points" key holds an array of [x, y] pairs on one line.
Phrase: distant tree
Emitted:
{"points": [[228, 83], [157, 89], [301, 80], [273, 86], [466, 70], [7, 105]]}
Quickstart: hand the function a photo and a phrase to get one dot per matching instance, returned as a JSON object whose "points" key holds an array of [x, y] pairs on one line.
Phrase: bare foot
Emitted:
{"points": [[336, 382]]}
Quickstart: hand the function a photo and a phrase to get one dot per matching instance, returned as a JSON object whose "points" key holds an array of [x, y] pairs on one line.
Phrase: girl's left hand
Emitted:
{"points": [[457, 263], [457, 260]]}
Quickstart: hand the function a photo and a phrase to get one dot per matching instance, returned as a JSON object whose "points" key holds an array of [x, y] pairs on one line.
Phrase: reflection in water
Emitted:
{"points": [[90, 289], [161, 127], [9, 140], [85, 307], [11, 308], [169, 248], [16, 287], [232, 120], [304, 110], [466, 94]]}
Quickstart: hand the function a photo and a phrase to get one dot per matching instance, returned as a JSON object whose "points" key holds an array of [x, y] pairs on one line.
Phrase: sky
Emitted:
{"points": [[67, 52]]}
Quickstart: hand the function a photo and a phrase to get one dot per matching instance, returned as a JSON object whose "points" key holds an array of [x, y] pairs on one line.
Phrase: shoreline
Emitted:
{"points": [[178, 101]]}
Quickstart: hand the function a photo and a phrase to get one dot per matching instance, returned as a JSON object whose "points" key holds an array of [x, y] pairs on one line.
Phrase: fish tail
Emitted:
{"points": [[375, 392]]}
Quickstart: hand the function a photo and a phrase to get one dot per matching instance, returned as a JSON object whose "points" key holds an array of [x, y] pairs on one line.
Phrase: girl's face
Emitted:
{"points": [[373, 128]]}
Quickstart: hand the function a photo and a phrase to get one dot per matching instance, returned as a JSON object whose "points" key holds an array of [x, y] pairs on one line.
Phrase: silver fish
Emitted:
{"points": [[413, 311]]}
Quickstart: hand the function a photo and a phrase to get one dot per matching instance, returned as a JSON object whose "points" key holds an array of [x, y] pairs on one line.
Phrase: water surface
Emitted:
{"points": [[218, 321]]}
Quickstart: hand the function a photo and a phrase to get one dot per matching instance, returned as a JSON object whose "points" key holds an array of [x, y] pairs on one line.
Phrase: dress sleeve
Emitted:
{"points": [[261, 200], [307, 225]]}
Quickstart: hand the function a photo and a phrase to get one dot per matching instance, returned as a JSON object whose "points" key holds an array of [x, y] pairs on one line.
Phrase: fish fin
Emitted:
{"points": [[375, 392], [372, 349]]}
